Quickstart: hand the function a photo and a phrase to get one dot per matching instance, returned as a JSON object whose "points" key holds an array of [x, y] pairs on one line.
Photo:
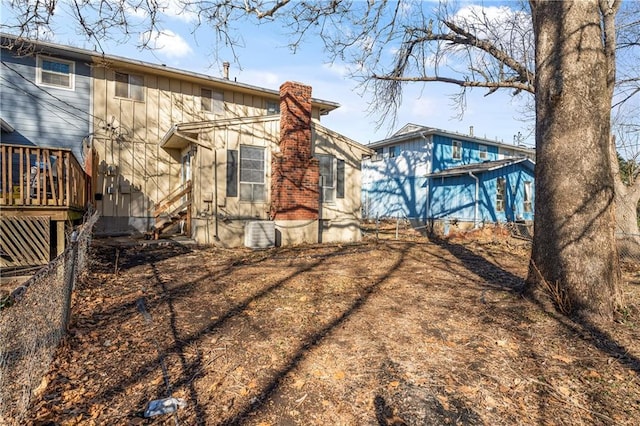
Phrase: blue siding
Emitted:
{"points": [[396, 186], [44, 116], [402, 196], [454, 197], [443, 155]]}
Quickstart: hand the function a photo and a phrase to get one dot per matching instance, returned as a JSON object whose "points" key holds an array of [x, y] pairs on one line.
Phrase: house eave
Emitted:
{"points": [[113, 61], [6, 127], [478, 168]]}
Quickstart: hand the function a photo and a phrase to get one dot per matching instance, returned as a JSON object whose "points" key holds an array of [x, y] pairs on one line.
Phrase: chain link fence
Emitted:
{"points": [[33, 320]]}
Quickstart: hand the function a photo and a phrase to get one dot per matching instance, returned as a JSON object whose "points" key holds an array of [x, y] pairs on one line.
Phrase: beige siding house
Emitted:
{"points": [[218, 161]]}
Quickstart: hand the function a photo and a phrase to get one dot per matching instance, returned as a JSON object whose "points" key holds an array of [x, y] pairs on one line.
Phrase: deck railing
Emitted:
{"points": [[38, 177]]}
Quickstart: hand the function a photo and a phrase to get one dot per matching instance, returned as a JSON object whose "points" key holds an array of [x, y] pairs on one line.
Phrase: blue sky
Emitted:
{"points": [[265, 61]]}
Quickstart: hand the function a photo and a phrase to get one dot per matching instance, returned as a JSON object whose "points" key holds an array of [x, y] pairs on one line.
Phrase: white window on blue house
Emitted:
{"points": [[501, 187], [456, 150], [252, 174], [527, 206], [378, 155], [482, 152], [55, 73], [393, 151], [129, 86]]}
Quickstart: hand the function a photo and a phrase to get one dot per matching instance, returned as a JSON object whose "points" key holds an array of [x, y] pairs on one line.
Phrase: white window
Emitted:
{"points": [[130, 86], [501, 187], [505, 153], [211, 101], [332, 177], [252, 174], [528, 208], [273, 107], [327, 178], [456, 150], [482, 152], [55, 73]]}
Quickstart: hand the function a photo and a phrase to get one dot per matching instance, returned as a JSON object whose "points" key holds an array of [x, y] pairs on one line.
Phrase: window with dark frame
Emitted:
{"points": [[130, 86], [211, 101], [206, 99], [273, 107], [393, 151]]}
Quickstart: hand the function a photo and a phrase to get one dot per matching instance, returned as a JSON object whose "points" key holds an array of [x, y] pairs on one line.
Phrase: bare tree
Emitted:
{"points": [[392, 44]]}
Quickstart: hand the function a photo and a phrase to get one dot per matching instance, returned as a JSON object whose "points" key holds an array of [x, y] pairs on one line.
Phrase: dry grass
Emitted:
{"points": [[384, 332]]}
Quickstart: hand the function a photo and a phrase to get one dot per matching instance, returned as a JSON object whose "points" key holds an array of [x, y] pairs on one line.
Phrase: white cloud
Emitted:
{"points": [[176, 9], [167, 43]]}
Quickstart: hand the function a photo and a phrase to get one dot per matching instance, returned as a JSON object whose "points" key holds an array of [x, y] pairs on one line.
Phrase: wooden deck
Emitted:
{"points": [[37, 181], [42, 192]]}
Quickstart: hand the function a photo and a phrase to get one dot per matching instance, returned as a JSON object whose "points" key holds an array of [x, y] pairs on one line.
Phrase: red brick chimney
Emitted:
{"points": [[295, 172]]}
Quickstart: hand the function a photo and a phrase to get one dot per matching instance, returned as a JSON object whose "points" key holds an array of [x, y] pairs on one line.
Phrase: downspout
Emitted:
{"points": [[215, 193], [475, 212], [429, 170]]}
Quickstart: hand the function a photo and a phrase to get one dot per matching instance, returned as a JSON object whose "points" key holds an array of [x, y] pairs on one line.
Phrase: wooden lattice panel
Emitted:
{"points": [[24, 241]]}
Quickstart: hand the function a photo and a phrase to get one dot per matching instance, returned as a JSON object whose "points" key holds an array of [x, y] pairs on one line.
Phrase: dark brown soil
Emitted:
{"points": [[383, 332]]}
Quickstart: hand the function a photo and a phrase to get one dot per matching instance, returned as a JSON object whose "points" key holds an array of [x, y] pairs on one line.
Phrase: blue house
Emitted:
{"points": [[45, 121], [424, 174], [46, 96]]}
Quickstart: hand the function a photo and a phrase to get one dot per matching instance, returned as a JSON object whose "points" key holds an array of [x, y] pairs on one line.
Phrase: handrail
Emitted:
{"points": [[37, 176], [170, 199]]}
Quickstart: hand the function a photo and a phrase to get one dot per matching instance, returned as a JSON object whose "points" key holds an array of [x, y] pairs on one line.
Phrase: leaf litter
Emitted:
{"points": [[410, 331]]}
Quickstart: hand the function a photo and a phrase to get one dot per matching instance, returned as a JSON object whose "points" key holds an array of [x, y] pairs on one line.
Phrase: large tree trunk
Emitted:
{"points": [[574, 252]]}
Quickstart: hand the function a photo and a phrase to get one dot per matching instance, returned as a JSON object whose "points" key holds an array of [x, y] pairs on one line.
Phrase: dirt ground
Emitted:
{"points": [[382, 332]]}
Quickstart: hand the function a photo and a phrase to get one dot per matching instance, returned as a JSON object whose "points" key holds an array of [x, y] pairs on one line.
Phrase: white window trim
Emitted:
{"points": [[334, 172], [482, 152], [500, 202], [454, 144], [526, 197], [264, 176], [72, 72]]}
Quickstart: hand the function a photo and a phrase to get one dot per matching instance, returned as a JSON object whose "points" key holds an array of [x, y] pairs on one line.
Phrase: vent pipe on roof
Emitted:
{"points": [[470, 130], [225, 70]]}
